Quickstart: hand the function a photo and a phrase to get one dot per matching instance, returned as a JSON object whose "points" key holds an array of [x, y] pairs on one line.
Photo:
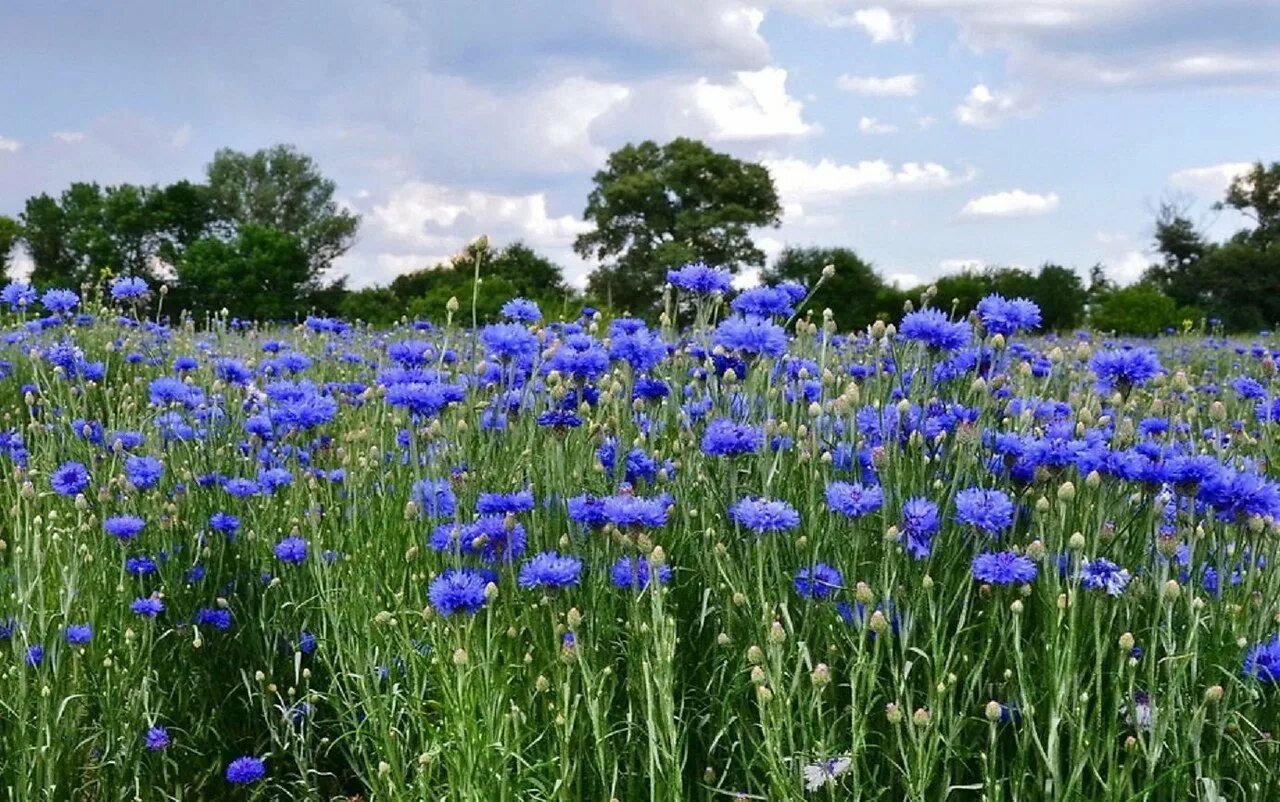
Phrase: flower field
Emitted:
{"points": [[733, 555]]}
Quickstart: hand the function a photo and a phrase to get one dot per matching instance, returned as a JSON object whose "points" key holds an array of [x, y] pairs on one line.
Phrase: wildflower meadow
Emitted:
{"points": [[732, 554]]}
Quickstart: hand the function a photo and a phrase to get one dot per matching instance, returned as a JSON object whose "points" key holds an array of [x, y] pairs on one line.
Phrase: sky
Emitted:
{"points": [[927, 135]]}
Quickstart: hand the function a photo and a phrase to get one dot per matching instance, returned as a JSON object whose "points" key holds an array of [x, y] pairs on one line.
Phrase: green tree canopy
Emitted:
{"points": [[655, 207], [10, 234], [282, 189], [1138, 309], [262, 273], [855, 294], [1256, 195]]}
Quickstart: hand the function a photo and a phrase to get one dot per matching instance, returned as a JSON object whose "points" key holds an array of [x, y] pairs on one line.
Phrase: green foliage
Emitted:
{"points": [[1241, 284], [89, 229], [261, 274], [376, 305], [655, 207], [1057, 290], [1139, 309], [855, 294], [10, 233], [283, 189], [1256, 195]]}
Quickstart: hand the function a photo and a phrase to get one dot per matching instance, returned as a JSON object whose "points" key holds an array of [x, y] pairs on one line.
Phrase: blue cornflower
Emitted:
{"points": [[143, 472], [18, 295], [140, 566], [306, 642], [581, 356], [635, 573], [725, 438], [246, 770], [550, 570], [1102, 574], [458, 589], [504, 503], [79, 634], [751, 336], [241, 487], [128, 288], [1125, 369], [156, 739], [988, 510], [509, 341], [1262, 661], [224, 522], [521, 310], [764, 302], [919, 524], [700, 278], [35, 655], [216, 617], [762, 515], [1003, 568], [123, 527], [852, 499], [411, 353], [634, 512], [1001, 316], [435, 498], [149, 606], [70, 478], [935, 330], [60, 301], [292, 550], [818, 582]]}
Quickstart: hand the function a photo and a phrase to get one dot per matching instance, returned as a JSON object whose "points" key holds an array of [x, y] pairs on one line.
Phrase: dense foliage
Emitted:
{"points": [[751, 557]]}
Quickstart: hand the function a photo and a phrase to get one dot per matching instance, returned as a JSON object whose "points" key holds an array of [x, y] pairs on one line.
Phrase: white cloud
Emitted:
{"points": [[880, 24], [960, 265], [870, 125], [9, 145], [755, 106], [1208, 182], [68, 136], [905, 280], [889, 86], [1128, 268], [421, 223], [1014, 203], [802, 183], [723, 31], [985, 108]]}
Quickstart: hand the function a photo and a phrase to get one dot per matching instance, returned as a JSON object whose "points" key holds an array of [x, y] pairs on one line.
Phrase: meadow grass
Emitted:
{"points": [[841, 644]]}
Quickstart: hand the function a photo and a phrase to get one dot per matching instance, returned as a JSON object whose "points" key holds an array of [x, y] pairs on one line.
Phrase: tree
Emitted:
{"points": [[1180, 272], [1256, 195], [376, 305], [10, 234], [855, 294], [88, 229], [1139, 309], [262, 273], [656, 207], [1061, 296], [1242, 285], [515, 269], [282, 189]]}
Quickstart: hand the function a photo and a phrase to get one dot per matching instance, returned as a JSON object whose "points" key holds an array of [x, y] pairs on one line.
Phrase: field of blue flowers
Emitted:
{"points": [[735, 555]]}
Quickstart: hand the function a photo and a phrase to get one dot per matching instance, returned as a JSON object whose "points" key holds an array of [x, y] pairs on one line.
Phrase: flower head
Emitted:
{"points": [[991, 511], [550, 570], [698, 277], [1262, 661], [935, 330], [854, 500], [818, 582], [762, 515], [246, 770], [1102, 574], [458, 590], [1003, 568]]}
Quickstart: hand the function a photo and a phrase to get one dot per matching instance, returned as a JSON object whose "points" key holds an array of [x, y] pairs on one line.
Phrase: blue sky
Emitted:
{"points": [[925, 134]]}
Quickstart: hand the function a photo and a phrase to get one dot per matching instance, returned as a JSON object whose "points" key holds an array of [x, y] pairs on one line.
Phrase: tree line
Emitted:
{"points": [[259, 234]]}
